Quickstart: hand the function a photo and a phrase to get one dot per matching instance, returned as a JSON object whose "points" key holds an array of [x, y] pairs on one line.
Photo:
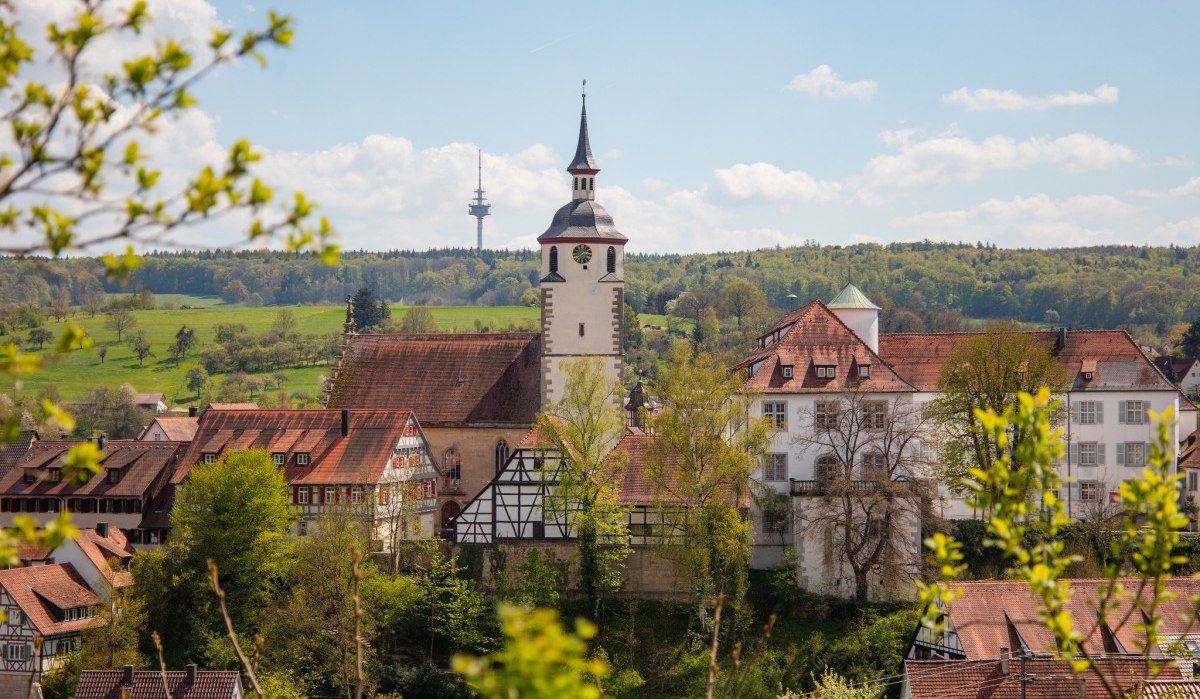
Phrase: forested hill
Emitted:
{"points": [[1081, 287]]}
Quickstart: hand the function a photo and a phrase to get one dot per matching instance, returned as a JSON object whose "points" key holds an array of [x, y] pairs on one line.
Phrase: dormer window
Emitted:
{"points": [[210, 458], [279, 458], [825, 371], [787, 371], [302, 459], [864, 371], [30, 476], [56, 475], [1087, 375], [114, 475]]}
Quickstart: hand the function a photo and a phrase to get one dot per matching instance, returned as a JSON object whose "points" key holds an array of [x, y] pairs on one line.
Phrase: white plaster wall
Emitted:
{"points": [[864, 322]]}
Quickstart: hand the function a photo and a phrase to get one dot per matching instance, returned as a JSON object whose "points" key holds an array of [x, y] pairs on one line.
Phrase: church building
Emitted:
{"points": [[477, 394]]}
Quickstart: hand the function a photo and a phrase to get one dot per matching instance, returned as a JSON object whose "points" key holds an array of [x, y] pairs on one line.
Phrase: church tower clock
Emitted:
{"points": [[582, 278]]}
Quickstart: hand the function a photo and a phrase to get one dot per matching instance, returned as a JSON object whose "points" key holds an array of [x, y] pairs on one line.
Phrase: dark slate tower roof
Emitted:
{"points": [[582, 218], [583, 163]]}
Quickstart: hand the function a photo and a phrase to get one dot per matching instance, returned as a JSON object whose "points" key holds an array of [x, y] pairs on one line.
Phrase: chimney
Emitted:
{"points": [[191, 675], [345, 422], [102, 529], [193, 411], [103, 441], [1004, 660], [127, 677]]}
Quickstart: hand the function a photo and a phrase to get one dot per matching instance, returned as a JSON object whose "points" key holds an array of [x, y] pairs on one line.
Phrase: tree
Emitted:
{"points": [[1189, 344], [586, 424], [456, 613], [693, 304], [235, 292], [235, 511], [369, 313], [185, 340], [102, 352], [106, 646], [284, 325], [40, 336], [631, 329], [702, 472], [197, 379], [145, 300], [741, 299], [868, 484], [61, 305], [986, 372], [140, 345], [112, 411], [120, 321], [417, 319]]}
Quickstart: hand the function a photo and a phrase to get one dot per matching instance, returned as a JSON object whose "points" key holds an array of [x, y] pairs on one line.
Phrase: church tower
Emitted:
{"points": [[582, 278]]}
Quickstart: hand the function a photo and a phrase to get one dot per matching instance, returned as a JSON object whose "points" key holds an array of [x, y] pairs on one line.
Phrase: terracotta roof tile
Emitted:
{"points": [[142, 464], [985, 679], [357, 458], [178, 429], [233, 406], [11, 452], [639, 488], [100, 549], [812, 336], [37, 590], [210, 684], [1118, 362], [447, 379]]}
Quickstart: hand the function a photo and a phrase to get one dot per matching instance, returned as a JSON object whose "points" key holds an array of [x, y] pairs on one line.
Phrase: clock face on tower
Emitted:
{"points": [[582, 254]]}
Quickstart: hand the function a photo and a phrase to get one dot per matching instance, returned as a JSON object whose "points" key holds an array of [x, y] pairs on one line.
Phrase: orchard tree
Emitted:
{"points": [[185, 340], [417, 319], [40, 336], [586, 424], [197, 379], [120, 321], [741, 299], [140, 346]]}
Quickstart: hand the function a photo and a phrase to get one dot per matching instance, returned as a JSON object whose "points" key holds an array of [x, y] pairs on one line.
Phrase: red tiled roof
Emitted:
{"points": [[985, 679], [447, 379], [148, 684], [233, 406], [142, 464], [99, 549], [1118, 362], [11, 452], [1181, 365], [37, 590], [177, 429], [812, 336], [357, 458], [639, 488], [1169, 689], [985, 611]]}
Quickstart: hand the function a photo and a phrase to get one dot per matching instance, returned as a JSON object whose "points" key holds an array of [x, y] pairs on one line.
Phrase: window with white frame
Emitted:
{"points": [[302, 495], [1090, 412], [356, 495], [1131, 454], [1089, 454], [1089, 491], [826, 371], [279, 458], [210, 458], [874, 414], [16, 617], [776, 412], [787, 371], [775, 467], [825, 413], [864, 371], [302, 458], [1134, 412], [330, 495], [1191, 480], [16, 651]]}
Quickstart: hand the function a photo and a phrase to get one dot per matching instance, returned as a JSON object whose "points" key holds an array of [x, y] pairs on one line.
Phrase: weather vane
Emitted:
{"points": [[585, 88]]}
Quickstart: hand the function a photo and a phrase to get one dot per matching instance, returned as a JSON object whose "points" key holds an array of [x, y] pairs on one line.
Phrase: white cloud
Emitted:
{"points": [[1187, 189], [950, 157], [823, 82], [1185, 232], [764, 181], [989, 100], [1033, 221]]}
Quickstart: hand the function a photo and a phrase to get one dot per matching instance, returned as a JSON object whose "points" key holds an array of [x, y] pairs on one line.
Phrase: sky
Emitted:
{"points": [[719, 126]]}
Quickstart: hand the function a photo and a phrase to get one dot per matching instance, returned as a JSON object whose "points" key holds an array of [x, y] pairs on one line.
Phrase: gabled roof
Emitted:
{"points": [[42, 592], [148, 684], [233, 406], [814, 336], [985, 679], [150, 398], [1119, 363], [141, 463], [11, 452], [447, 379], [638, 487], [176, 429], [1180, 365], [357, 458], [987, 612], [100, 549]]}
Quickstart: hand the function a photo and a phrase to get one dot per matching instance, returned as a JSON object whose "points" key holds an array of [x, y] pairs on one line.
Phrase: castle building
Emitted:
{"points": [[477, 394]]}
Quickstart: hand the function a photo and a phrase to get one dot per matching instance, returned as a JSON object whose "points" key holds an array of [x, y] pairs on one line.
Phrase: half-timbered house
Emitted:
{"points": [[375, 462], [46, 608]]}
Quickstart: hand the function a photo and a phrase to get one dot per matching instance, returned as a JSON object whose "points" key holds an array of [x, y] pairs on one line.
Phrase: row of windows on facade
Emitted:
{"points": [[610, 266], [15, 616], [452, 461], [16, 652], [825, 413], [55, 475], [825, 371], [278, 458], [102, 505], [583, 184], [355, 495], [775, 466]]}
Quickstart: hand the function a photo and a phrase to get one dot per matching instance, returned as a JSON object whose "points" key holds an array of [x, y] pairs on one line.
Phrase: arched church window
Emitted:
{"points": [[553, 259], [452, 467], [501, 454], [612, 260]]}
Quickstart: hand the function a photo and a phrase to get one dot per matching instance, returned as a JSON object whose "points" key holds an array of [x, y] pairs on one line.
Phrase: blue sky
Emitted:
{"points": [[731, 126]]}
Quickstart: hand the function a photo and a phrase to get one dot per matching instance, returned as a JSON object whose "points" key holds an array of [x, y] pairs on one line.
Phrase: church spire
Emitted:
{"points": [[583, 167]]}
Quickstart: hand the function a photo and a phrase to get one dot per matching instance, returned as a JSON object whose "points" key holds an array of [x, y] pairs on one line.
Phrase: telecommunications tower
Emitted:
{"points": [[479, 208]]}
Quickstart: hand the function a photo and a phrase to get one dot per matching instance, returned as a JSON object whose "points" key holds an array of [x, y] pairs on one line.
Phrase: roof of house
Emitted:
{"points": [[1116, 360], [814, 336], [640, 487], [42, 592], [176, 429], [447, 379], [1180, 365], [359, 457], [148, 684], [101, 549], [141, 464], [988, 613], [150, 398], [11, 452], [1189, 451], [233, 406], [985, 679]]}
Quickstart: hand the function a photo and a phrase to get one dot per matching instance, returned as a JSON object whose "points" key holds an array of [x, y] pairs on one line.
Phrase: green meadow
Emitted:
{"points": [[76, 372]]}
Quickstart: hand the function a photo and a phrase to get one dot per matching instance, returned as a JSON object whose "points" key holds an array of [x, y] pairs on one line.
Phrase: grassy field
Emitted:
{"points": [[75, 373]]}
